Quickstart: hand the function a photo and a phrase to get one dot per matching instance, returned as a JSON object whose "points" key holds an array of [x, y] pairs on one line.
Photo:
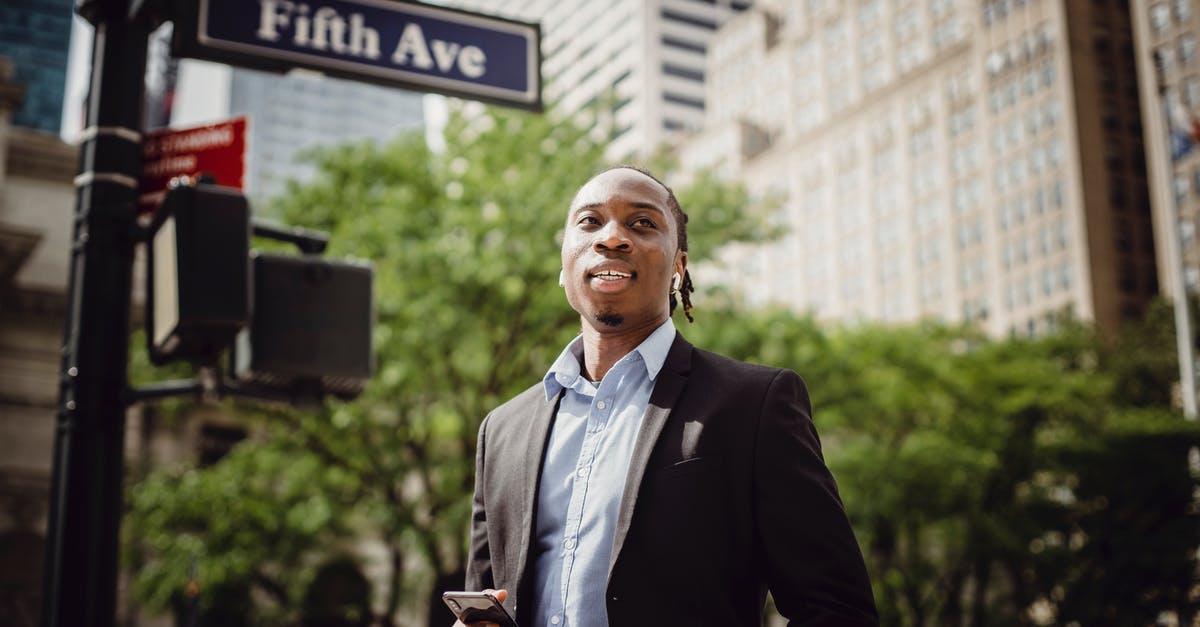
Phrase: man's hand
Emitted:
{"points": [[500, 596]]}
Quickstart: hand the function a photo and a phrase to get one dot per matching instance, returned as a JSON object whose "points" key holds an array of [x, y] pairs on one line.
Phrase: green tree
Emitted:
{"points": [[992, 482], [465, 248]]}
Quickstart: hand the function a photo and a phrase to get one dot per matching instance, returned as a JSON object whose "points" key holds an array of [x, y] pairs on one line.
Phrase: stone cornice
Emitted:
{"points": [[16, 244], [41, 155], [43, 303]]}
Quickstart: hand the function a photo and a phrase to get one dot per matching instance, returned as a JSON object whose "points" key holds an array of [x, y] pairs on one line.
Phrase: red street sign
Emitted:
{"points": [[216, 149]]}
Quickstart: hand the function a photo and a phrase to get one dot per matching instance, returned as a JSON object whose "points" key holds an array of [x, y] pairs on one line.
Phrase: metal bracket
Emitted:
{"points": [[87, 178], [308, 241], [92, 132]]}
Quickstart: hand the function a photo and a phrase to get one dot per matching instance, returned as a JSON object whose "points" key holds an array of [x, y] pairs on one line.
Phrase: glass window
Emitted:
{"points": [[1191, 91], [1166, 58], [1187, 49], [1160, 16], [1047, 74], [1183, 10]]}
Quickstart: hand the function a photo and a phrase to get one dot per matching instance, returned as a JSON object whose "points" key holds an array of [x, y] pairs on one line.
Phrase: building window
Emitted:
{"points": [[1166, 58], [685, 18], [1160, 16], [672, 69], [1191, 91], [1183, 10], [686, 101], [1187, 49], [677, 42]]}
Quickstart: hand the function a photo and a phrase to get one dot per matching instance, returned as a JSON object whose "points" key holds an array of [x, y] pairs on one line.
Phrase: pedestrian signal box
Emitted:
{"points": [[198, 289], [311, 327]]}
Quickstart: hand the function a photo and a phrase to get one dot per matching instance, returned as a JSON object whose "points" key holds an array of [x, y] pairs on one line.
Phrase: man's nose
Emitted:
{"points": [[612, 237]]}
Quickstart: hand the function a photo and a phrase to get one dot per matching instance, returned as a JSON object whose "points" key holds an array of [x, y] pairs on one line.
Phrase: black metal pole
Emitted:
{"points": [[86, 499]]}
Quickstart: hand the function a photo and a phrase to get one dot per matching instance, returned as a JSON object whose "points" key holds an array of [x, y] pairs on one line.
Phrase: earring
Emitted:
{"points": [[561, 278], [675, 283]]}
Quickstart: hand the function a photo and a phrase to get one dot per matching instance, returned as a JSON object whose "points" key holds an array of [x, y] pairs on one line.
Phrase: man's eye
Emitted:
{"points": [[588, 220], [644, 222]]}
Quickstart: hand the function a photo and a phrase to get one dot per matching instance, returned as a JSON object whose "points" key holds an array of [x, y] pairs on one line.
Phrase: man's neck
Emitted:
{"points": [[603, 348]]}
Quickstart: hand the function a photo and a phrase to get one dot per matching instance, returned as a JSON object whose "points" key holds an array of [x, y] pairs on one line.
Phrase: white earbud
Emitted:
{"points": [[562, 278], [675, 283]]}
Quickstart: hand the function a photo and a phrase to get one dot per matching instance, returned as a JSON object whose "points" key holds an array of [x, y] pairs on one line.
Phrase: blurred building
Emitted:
{"points": [[968, 161], [290, 114], [35, 35], [1170, 29], [637, 64], [36, 199]]}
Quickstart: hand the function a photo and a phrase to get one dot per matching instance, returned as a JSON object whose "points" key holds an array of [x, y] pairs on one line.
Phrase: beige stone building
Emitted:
{"points": [[37, 203], [36, 199], [638, 63], [977, 161], [1171, 29]]}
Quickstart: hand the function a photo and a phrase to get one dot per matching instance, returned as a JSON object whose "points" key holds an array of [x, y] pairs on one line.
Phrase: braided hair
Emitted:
{"points": [[681, 219]]}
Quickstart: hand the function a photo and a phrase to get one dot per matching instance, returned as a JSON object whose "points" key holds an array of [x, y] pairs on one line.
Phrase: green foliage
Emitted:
{"points": [[249, 521], [995, 482]]}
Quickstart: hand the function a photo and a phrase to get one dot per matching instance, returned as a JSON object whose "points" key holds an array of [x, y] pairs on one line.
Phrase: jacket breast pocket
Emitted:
{"points": [[683, 468]]}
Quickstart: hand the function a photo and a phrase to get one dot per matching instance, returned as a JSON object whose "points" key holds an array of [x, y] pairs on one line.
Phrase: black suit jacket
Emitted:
{"points": [[727, 495]]}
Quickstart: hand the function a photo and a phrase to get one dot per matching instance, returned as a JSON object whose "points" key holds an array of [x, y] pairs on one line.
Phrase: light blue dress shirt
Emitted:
{"points": [[583, 477]]}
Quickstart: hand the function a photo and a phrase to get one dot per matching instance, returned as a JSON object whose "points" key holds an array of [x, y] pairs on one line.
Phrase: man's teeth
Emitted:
{"points": [[609, 274]]}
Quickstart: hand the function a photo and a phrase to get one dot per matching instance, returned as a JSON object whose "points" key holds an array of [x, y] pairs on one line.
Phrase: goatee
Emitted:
{"points": [[610, 318]]}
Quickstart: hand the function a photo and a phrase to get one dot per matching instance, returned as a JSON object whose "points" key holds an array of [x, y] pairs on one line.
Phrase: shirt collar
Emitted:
{"points": [[567, 370]]}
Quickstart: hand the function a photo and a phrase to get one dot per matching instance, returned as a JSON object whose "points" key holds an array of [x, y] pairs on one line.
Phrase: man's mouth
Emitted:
{"points": [[610, 280], [612, 275]]}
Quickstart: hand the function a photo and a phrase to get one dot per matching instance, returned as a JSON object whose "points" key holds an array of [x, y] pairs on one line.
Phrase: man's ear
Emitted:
{"points": [[681, 263]]}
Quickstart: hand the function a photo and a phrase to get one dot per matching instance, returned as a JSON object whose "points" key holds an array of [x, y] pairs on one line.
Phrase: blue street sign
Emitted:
{"points": [[402, 44]]}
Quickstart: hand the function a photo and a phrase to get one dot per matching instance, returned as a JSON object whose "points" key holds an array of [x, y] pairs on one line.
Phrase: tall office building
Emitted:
{"points": [[638, 64], [977, 161], [36, 35], [292, 113], [1170, 29]]}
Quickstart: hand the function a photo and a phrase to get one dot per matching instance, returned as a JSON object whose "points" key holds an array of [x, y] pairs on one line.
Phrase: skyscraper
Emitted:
{"points": [[292, 113], [958, 160], [1170, 30], [637, 64], [35, 35]]}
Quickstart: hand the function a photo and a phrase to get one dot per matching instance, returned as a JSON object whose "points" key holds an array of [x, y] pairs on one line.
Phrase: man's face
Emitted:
{"points": [[619, 251]]}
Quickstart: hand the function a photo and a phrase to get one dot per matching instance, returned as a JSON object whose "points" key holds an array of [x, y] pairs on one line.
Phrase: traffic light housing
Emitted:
{"points": [[311, 327], [198, 288]]}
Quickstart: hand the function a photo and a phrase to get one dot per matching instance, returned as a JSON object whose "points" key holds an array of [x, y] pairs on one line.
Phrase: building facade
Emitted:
{"points": [[632, 69], [36, 200], [1170, 31], [293, 113], [35, 35], [936, 158]]}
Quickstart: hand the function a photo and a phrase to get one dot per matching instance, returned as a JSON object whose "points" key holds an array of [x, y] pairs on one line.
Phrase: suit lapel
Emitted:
{"points": [[670, 382], [541, 416]]}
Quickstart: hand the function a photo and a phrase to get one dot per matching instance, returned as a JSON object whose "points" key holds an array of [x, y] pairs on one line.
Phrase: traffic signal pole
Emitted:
{"points": [[86, 490]]}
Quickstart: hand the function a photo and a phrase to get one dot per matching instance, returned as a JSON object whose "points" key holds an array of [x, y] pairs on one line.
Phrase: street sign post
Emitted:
{"points": [[393, 43], [215, 149]]}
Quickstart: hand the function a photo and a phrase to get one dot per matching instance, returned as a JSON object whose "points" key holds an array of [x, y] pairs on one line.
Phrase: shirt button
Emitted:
{"points": [[600, 404], [569, 543], [554, 620], [582, 473]]}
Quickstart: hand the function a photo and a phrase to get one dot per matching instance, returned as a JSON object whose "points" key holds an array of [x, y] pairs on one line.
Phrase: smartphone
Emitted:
{"points": [[476, 607]]}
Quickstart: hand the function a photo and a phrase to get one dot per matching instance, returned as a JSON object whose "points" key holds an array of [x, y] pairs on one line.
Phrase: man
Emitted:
{"points": [[648, 482]]}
